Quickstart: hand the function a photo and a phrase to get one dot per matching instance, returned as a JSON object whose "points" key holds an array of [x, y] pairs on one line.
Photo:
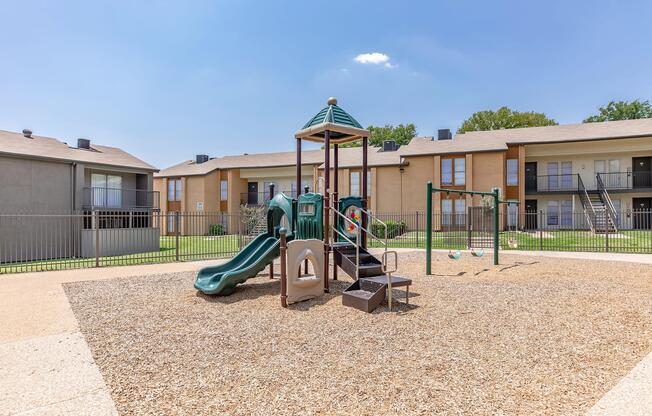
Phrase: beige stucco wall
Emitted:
{"points": [[488, 172], [417, 173]]}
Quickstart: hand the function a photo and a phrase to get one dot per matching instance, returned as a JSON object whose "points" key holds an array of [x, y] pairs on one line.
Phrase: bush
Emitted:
{"points": [[216, 229], [394, 229]]}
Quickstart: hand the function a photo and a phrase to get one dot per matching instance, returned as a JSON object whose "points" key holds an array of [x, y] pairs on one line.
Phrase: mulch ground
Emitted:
{"points": [[532, 336]]}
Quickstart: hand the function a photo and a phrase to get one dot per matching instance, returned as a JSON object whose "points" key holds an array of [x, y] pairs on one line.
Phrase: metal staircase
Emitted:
{"points": [[598, 209], [372, 277]]}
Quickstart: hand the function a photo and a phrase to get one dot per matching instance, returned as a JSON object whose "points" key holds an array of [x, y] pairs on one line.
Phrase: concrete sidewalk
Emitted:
{"points": [[46, 366]]}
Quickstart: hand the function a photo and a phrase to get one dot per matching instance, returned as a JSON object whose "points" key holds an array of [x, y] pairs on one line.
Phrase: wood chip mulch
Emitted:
{"points": [[544, 336]]}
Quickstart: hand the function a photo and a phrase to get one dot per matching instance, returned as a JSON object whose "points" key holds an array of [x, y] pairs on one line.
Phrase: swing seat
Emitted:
{"points": [[454, 255], [477, 253]]}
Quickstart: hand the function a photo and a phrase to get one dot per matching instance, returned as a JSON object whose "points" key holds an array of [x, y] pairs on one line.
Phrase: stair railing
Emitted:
{"points": [[589, 212], [385, 253], [606, 199], [358, 235]]}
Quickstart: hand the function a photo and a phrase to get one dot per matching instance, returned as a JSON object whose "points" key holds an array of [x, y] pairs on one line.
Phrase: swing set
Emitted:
{"points": [[456, 255]]}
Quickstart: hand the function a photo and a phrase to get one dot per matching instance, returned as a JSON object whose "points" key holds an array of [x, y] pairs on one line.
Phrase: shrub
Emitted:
{"points": [[216, 229], [394, 229]]}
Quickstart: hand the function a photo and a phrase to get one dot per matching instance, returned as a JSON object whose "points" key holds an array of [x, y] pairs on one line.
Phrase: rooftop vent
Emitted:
{"points": [[201, 159], [444, 134], [83, 143], [27, 133], [390, 146]]}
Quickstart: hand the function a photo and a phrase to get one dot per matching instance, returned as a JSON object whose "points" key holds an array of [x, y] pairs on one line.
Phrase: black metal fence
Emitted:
{"points": [[35, 242], [549, 231]]}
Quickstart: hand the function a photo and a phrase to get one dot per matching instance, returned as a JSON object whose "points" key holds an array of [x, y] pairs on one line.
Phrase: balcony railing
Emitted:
{"points": [[118, 198], [626, 180], [552, 183]]}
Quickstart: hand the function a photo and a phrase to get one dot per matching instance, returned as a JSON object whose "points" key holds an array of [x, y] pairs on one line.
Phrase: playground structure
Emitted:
{"points": [[309, 228], [494, 195]]}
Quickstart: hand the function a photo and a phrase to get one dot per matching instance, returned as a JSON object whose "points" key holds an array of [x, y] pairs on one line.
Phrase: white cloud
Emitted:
{"points": [[374, 58]]}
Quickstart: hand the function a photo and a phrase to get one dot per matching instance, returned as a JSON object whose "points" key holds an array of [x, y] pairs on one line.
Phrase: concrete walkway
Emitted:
{"points": [[46, 366]]}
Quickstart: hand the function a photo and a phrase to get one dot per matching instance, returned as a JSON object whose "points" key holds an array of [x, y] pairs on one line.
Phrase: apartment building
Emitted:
{"points": [[222, 185], [599, 169], [43, 177]]}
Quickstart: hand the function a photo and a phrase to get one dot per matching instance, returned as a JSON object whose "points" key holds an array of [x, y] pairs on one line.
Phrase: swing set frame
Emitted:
{"points": [[495, 194]]}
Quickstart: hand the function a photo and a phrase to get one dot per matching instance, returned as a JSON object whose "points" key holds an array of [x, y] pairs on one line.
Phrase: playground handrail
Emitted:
{"points": [[357, 234], [369, 233]]}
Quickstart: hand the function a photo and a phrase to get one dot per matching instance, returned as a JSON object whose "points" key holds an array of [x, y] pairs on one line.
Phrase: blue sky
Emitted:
{"points": [[167, 80]]}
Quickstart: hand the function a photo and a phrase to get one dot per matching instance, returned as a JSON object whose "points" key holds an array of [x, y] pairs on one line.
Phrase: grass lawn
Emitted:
{"points": [[625, 241], [190, 248]]}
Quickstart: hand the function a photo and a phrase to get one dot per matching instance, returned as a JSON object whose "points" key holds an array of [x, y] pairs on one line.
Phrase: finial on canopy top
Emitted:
{"points": [[332, 101]]}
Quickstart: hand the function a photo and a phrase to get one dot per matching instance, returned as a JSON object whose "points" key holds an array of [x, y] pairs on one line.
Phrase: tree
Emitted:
{"points": [[622, 110], [504, 118], [401, 134]]}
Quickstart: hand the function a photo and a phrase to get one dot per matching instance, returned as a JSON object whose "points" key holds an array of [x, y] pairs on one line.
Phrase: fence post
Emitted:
{"points": [[417, 227], [606, 231], [428, 227], [176, 235], [540, 229], [97, 238]]}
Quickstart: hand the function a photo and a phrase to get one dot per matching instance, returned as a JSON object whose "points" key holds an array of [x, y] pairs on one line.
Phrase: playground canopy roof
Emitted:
{"points": [[341, 125]]}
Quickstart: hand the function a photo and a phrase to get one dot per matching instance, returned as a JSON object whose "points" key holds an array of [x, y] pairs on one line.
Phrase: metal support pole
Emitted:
{"points": [[496, 224], [327, 207], [271, 265], [283, 251], [298, 188], [336, 199], [540, 229], [364, 190], [428, 227]]}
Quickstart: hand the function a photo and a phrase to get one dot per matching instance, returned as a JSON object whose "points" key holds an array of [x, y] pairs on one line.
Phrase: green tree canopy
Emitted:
{"points": [[622, 110], [401, 134], [504, 118]]}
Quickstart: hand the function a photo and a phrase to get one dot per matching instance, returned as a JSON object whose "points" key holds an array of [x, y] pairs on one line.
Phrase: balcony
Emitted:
{"points": [[552, 183], [626, 181], [117, 198]]}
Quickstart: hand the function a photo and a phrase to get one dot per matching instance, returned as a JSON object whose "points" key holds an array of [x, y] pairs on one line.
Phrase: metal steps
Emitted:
{"points": [[345, 258]]}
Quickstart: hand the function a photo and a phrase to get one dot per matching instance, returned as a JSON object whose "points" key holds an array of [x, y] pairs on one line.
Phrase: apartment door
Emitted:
{"points": [[642, 172], [642, 213], [530, 176], [531, 214], [252, 193]]}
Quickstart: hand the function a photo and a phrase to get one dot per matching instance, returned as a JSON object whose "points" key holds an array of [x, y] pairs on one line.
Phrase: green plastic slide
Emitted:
{"points": [[222, 279]]}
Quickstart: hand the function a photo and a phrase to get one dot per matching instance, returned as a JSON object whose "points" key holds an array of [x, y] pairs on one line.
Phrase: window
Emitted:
{"points": [[446, 211], [460, 171], [460, 209], [512, 215], [553, 213], [553, 179], [106, 190], [617, 208], [224, 190], [567, 175], [614, 177], [174, 189], [447, 171], [354, 183], [512, 172], [567, 213]]}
